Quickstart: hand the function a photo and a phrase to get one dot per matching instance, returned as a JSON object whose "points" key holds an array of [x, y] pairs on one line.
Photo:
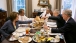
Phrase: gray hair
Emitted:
{"points": [[57, 11], [68, 12]]}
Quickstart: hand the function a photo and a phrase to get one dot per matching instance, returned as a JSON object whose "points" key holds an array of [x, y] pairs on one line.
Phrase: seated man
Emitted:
{"points": [[22, 17], [58, 18], [69, 29], [45, 14]]}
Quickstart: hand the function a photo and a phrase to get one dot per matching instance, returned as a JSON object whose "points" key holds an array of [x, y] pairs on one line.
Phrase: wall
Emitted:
{"points": [[35, 6], [3, 5]]}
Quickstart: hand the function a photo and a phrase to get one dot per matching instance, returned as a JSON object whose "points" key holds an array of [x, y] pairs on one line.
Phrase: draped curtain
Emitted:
{"points": [[29, 8], [9, 7], [58, 4]]}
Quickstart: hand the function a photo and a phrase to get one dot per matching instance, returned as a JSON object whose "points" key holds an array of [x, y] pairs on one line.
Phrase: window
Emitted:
{"points": [[67, 4], [18, 4]]}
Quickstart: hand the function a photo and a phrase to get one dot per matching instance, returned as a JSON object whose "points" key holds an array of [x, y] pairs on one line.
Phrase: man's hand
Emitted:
{"points": [[45, 27], [43, 17]]}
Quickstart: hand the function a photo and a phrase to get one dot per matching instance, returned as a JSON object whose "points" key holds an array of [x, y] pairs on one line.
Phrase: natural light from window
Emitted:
{"points": [[18, 4]]}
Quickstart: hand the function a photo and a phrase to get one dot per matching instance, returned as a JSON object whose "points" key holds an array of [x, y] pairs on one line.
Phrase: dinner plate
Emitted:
{"points": [[31, 18], [12, 39], [20, 29], [23, 25], [18, 34], [30, 39], [49, 39], [34, 39], [54, 40]]}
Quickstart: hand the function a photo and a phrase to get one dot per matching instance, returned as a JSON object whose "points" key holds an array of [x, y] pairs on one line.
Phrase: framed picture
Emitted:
{"points": [[43, 2]]}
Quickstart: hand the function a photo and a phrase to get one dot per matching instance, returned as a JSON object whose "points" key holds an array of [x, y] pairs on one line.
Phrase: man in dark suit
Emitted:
{"points": [[58, 18], [69, 29]]}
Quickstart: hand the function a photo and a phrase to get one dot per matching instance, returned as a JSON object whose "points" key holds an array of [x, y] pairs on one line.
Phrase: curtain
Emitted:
{"points": [[9, 7], [58, 4], [75, 15], [29, 8]]}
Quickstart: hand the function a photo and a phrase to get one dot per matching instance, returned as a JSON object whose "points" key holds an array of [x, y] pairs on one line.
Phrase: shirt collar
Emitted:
{"points": [[67, 20]]}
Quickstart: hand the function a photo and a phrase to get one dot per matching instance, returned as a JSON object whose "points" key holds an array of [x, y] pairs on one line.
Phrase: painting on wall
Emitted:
{"points": [[43, 2]]}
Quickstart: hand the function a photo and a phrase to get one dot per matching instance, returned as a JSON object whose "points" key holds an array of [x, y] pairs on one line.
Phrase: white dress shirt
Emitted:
{"points": [[43, 14], [47, 15], [67, 20], [23, 18]]}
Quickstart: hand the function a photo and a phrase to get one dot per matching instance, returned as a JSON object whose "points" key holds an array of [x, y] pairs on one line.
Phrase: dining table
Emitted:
{"points": [[32, 33], [16, 41]]}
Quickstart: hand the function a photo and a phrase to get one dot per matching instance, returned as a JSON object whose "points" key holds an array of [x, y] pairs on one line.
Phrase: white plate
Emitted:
{"points": [[17, 34], [23, 25], [49, 37], [34, 39], [54, 40], [31, 18], [51, 24], [20, 30], [12, 39], [54, 23], [30, 39]]}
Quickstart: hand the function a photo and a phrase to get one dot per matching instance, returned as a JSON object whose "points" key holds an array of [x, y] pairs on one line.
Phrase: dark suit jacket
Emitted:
{"points": [[59, 20], [69, 31], [8, 27]]}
